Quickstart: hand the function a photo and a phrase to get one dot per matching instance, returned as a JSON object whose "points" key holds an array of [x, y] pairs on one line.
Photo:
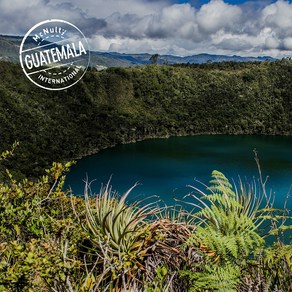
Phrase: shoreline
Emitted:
{"points": [[96, 151]]}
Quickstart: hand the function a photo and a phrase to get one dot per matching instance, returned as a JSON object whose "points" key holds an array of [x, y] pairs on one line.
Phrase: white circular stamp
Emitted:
{"points": [[54, 54]]}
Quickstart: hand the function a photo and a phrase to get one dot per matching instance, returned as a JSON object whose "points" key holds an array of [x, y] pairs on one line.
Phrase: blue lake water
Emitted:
{"points": [[165, 167]]}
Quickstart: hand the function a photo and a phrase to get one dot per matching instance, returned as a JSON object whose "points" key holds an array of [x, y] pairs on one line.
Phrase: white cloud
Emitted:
{"points": [[176, 21], [218, 15], [18, 17], [103, 9], [163, 27], [272, 43], [287, 43], [278, 15]]}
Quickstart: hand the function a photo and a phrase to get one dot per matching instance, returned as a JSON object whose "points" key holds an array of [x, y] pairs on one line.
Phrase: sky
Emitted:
{"points": [[230, 27]]}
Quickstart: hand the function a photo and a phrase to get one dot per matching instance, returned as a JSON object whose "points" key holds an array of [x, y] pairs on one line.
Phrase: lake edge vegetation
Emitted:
{"points": [[122, 105], [51, 240]]}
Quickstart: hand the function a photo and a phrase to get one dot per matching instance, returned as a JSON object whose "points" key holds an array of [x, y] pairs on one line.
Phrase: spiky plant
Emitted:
{"points": [[118, 237]]}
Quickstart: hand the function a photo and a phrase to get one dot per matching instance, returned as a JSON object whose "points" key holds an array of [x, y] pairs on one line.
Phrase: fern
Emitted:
{"points": [[219, 278], [220, 184], [227, 234], [228, 214]]}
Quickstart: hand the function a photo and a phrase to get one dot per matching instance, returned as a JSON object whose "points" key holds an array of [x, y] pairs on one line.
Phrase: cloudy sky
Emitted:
{"points": [[247, 28]]}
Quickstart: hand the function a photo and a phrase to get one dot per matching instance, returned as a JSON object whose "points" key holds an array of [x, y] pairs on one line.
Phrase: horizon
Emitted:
{"points": [[164, 55], [167, 27]]}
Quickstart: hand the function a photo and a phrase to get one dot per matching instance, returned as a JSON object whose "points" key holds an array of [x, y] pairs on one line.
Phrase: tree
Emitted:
{"points": [[154, 58]]}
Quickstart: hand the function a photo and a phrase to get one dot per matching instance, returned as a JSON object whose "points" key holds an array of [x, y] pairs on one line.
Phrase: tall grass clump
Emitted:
{"points": [[117, 238]]}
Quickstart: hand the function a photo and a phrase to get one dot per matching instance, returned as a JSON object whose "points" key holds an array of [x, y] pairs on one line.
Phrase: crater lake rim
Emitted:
{"points": [[165, 167]]}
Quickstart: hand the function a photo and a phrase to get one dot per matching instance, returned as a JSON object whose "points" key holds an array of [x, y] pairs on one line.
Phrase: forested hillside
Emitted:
{"points": [[123, 105]]}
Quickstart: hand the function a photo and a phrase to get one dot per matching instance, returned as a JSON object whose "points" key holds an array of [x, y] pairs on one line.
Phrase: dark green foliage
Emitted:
{"points": [[123, 105]]}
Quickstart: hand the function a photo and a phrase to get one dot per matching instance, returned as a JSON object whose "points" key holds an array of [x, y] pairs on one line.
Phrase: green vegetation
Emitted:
{"points": [[51, 241], [124, 105]]}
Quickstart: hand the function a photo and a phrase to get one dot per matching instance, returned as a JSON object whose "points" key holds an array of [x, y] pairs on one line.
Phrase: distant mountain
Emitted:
{"points": [[142, 59], [9, 50], [9, 47]]}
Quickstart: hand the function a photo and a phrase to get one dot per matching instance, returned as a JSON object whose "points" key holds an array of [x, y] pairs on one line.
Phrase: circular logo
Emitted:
{"points": [[54, 54]]}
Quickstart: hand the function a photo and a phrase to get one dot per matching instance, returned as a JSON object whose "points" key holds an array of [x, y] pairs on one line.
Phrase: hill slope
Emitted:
{"points": [[123, 105]]}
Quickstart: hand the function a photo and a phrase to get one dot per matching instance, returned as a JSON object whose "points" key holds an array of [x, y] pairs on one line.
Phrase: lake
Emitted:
{"points": [[165, 167]]}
